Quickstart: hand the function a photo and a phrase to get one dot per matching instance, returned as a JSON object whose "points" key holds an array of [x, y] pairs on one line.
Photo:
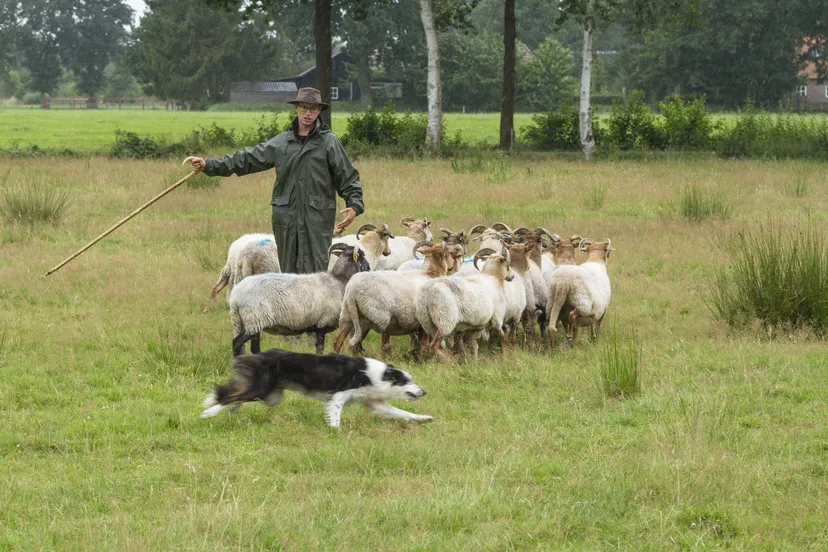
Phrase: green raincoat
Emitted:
{"points": [[308, 177]]}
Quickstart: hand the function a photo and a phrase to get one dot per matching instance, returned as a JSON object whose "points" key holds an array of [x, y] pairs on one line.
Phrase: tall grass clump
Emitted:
{"points": [[31, 203], [776, 275], [698, 203], [594, 196], [620, 364]]}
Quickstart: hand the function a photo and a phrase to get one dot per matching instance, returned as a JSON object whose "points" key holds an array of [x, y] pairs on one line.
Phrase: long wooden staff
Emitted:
{"points": [[135, 212]]}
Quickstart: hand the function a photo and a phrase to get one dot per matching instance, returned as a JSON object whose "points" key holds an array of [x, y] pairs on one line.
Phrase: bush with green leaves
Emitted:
{"points": [[775, 274], [557, 129], [687, 125], [756, 134], [265, 129], [633, 127], [404, 133]]}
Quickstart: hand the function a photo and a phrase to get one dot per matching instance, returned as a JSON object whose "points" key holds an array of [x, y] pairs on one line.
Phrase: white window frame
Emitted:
{"points": [[803, 90], [334, 92]]}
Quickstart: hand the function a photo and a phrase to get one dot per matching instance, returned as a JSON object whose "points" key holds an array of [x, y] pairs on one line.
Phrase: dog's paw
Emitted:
{"points": [[423, 418]]}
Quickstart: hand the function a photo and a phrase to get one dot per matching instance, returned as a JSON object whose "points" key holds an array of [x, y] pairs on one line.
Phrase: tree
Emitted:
{"points": [[729, 52], [434, 128], [39, 45], [90, 33], [507, 109], [186, 51], [472, 70], [545, 81]]}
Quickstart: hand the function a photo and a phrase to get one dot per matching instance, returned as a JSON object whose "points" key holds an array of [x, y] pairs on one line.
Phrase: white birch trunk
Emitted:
{"points": [[585, 116], [434, 130]]}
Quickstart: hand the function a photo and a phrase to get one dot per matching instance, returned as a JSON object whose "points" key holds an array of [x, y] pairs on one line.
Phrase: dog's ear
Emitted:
{"points": [[396, 377]]}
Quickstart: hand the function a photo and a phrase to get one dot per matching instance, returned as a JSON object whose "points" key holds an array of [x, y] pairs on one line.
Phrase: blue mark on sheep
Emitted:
{"points": [[264, 242], [277, 275]]}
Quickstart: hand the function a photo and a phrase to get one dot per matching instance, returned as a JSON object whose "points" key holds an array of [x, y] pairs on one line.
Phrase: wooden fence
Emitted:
{"points": [[108, 103]]}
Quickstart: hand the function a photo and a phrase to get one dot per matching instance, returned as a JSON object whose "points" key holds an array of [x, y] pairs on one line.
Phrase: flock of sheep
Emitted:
{"points": [[427, 289]]}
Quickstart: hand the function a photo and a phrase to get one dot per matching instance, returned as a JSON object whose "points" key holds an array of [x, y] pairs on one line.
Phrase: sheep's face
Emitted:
{"points": [[351, 260], [519, 256], [419, 230], [455, 254]]}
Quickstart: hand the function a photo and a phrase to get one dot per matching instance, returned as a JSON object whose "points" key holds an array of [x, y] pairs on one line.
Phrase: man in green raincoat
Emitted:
{"points": [[311, 168]]}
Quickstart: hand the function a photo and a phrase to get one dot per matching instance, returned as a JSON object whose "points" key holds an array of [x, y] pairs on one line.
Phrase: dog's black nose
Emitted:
{"points": [[424, 393]]}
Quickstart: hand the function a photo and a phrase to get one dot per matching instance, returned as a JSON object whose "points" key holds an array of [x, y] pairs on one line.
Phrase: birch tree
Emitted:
{"points": [[434, 130]]}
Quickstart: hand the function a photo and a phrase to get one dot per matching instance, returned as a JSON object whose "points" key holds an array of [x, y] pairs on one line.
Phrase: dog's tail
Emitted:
{"points": [[249, 377]]}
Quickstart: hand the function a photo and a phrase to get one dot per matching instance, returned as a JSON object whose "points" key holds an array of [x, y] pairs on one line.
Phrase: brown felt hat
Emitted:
{"points": [[310, 96]]}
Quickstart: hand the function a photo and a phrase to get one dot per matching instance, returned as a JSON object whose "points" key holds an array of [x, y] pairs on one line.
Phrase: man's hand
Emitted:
{"points": [[198, 163], [350, 215]]}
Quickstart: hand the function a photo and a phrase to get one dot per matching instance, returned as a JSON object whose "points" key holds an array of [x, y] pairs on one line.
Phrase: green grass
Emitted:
{"points": [[104, 366], [94, 130], [621, 364], [34, 202]]}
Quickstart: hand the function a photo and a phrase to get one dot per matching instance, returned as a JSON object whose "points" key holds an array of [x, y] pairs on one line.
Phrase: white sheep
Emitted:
{"points": [[227, 275], [465, 304], [580, 295], [402, 246], [383, 301], [256, 258], [374, 243], [491, 237], [292, 304], [537, 291], [559, 253]]}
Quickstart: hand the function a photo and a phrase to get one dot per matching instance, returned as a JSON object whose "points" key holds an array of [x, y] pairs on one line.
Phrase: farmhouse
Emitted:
{"points": [[345, 86], [813, 94]]}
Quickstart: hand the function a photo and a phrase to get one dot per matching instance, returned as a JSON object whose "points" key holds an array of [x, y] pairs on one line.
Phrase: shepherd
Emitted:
{"points": [[311, 168]]}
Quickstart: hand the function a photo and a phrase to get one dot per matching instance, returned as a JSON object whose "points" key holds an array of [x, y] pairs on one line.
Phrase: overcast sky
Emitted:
{"points": [[138, 6]]}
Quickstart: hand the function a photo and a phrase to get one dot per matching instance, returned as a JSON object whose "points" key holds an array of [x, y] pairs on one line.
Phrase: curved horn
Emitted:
{"points": [[336, 247], [609, 243], [479, 229], [420, 244], [387, 231], [584, 243], [507, 255], [366, 227], [554, 237], [482, 253], [356, 254], [575, 239], [446, 231], [502, 227], [406, 221], [443, 249]]}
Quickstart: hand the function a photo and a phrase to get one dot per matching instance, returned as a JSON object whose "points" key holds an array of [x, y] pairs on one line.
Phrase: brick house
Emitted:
{"points": [[813, 93]]}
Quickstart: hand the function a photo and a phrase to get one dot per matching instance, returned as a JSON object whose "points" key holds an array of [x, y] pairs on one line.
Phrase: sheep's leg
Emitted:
{"points": [[344, 330], [320, 341], [256, 344], [358, 350], [552, 333], [239, 342], [570, 330], [474, 345], [528, 320], [542, 323], [385, 337], [434, 346], [422, 346], [502, 336], [459, 337]]}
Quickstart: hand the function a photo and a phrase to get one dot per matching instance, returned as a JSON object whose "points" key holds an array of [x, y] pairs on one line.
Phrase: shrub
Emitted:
{"points": [[777, 275], [31, 203], [784, 136], [687, 125], [698, 204], [215, 136], [265, 129], [633, 127], [406, 133], [594, 196], [554, 130], [620, 364], [32, 98], [129, 144]]}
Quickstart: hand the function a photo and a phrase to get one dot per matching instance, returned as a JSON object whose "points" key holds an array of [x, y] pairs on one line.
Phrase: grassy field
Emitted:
{"points": [[103, 367], [91, 130]]}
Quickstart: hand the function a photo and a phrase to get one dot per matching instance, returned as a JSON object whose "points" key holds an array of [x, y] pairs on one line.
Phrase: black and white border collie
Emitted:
{"points": [[333, 379]]}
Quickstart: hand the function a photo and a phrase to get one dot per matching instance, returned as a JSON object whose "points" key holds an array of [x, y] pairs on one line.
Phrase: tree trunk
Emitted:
{"points": [[322, 38], [434, 130], [585, 115], [507, 106], [364, 80]]}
